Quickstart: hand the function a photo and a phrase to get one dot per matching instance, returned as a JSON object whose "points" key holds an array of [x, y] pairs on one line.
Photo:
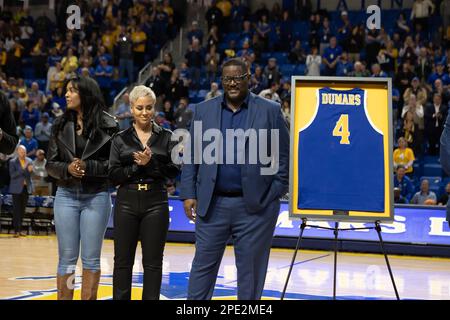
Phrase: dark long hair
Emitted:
{"points": [[92, 104]]}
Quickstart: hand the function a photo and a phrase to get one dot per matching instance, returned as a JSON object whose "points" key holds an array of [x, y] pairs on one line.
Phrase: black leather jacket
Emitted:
{"points": [[123, 169], [61, 152]]}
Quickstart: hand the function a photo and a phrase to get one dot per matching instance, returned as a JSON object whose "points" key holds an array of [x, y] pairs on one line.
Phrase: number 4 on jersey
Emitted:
{"points": [[341, 129]]}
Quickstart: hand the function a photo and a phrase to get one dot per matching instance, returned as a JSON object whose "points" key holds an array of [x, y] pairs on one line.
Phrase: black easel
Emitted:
{"points": [[336, 230]]}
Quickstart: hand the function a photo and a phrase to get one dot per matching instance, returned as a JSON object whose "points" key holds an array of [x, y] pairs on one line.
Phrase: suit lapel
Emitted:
{"points": [[67, 136], [251, 114]]}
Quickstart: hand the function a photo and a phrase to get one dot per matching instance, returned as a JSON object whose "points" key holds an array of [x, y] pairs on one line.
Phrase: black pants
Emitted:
{"points": [[144, 215], [19, 204]]}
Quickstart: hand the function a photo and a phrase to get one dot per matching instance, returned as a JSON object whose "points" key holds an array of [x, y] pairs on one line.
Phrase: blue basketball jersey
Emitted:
{"points": [[340, 155]]}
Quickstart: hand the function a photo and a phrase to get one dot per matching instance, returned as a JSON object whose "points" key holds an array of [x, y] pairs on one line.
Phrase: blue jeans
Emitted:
{"points": [[80, 218]]}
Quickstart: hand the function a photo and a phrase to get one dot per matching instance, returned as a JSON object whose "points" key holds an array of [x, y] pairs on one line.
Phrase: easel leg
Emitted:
{"points": [[302, 228], [378, 228], [336, 230]]}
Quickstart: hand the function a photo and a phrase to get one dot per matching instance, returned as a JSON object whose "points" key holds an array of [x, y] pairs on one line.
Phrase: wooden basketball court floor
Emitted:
{"points": [[28, 266]]}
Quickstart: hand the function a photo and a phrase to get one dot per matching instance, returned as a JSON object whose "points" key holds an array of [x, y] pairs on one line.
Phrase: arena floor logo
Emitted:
{"points": [[174, 287]]}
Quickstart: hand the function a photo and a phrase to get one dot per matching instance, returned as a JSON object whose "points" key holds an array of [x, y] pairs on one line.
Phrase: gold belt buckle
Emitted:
{"points": [[143, 187]]}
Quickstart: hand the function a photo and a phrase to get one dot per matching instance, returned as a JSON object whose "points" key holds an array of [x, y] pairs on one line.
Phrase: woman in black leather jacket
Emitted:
{"points": [[78, 156], [140, 162]]}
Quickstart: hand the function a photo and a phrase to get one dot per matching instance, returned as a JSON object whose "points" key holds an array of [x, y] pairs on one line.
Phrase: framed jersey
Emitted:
{"points": [[341, 149]]}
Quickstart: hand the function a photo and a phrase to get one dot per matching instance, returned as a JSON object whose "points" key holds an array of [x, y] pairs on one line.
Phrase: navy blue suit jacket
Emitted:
{"points": [[19, 176], [198, 180], [445, 153]]}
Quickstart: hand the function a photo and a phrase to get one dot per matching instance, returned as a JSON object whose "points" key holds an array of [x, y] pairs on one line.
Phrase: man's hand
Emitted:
{"points": [[190, 208]]}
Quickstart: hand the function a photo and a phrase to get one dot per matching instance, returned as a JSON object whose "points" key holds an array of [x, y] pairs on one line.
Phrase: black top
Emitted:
{"points": [[63, 148], [123, 169], [80, 143]]}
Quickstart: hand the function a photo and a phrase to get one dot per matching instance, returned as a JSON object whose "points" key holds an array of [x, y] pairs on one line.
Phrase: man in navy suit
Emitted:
{"points": [[238, 198], [20, 186]]}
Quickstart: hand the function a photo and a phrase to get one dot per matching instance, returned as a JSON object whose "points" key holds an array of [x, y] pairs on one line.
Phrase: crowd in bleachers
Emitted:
{"points": [[290, 38], [412, 47]]}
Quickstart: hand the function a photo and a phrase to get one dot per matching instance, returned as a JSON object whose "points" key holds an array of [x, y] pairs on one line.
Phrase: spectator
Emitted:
{"points": [[313, 62], [344, 66], [359, 70], [166, 67], [424, 65], [230, 51], [325, 35], [247, 31], [57, 78], [123, 112], [139, 39], [272, 91], [435, 116], [402, 27], [212, 61], [213, 37], [258, 81], [37, 96], [444, 198], [418, 115], [421, 12], [404, 156], [417, 90], [168, 112], [195, 58], [177, 89], [155, 82], [404, 183], [56, 110], [43, 131], [171, 189], [285, 91], [424, 196], [345, 31], [409, 52], [286, 111], [398, 198], [297, 54], [245, 52], [39, 56], [357, 41], [103, 74], [263, 30], [272, 72], [439, 74], [403, 79], [39, 176], [377, 72], [330, 57], [409, 130], [387, 57], [30, 115], [373, 45], [195, 33], [183, 115], [20, 186], [162, 121], [30, 143], [214, 92], [70, 62], [286, 33], [444, 92], [125, 51], [213, 15]]}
